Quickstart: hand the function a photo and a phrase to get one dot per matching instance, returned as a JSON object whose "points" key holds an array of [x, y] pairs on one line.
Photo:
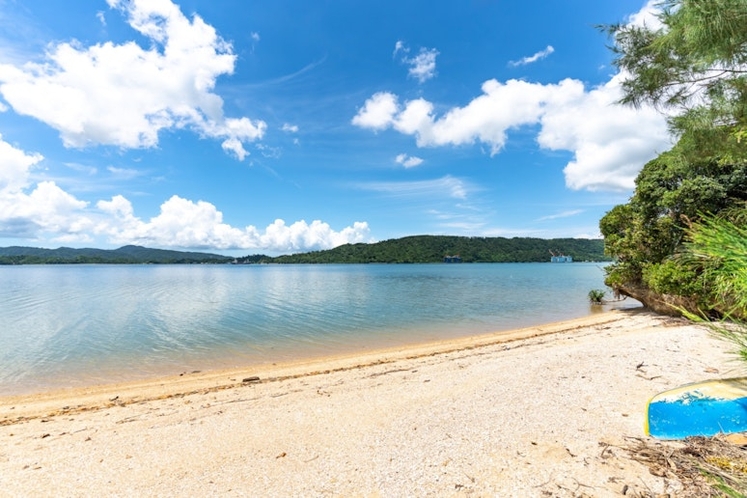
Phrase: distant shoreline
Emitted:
{"points": [[413, 249]]}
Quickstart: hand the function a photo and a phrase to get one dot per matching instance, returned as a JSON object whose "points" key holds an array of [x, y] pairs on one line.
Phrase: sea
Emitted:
{"points": [[66, 326]]}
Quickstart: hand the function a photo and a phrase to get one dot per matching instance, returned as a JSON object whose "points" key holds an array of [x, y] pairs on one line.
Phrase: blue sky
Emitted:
{"points": [[245, 127]]}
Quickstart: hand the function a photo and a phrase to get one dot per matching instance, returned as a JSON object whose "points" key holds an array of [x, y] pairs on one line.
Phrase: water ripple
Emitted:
{"points": [[69, 325]]}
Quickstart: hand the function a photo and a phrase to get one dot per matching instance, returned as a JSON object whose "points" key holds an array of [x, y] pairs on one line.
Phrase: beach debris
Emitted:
{"points": [[282, 455], [247, 380], [704, 466]]}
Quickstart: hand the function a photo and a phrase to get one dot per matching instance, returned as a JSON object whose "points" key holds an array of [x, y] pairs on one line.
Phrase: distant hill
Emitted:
{"points": [[415, 249], [124, 255], [433, 249]]}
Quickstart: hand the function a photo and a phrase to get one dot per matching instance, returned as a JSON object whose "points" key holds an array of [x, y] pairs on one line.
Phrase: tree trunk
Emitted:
{"points": [[665, 304]]}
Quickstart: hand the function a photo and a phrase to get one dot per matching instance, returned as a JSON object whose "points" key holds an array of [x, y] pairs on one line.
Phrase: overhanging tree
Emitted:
{"points": [[694, 68]]}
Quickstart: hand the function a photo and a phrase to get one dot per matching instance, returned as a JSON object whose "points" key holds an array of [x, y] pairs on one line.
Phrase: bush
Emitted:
{"points": [[596, 296]]}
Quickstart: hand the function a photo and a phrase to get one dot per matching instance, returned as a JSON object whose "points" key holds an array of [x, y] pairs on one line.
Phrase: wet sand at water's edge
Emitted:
{"points": [[541, 411]]}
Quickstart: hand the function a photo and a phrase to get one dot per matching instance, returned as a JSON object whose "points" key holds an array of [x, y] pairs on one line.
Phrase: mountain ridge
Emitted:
{"points": [[410, 249]]}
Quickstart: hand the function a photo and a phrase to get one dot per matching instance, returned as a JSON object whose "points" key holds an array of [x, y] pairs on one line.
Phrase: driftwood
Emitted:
{"points": [[666, 304]]}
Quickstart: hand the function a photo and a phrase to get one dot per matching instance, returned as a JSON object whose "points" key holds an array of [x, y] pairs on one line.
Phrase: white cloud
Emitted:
{"points": [[82, 168], [399, 47], [648, 16], [124, 95], [45, 211], [187, 224], [255, 36], [377, 112], [610, 142], [27, 212], [301, 236], [123, 173], [423, 65], [102, 19], [408, 161], [287, 127], [485, 119], [564, 214], [533, 58], [15, 165], [447, 186]]}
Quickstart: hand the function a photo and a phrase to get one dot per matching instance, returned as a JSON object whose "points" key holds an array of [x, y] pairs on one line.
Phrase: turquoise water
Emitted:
{"points": [[67, 326]]}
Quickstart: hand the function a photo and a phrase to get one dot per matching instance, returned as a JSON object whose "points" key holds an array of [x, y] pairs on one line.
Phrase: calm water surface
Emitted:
{"points": [[66, 326]]}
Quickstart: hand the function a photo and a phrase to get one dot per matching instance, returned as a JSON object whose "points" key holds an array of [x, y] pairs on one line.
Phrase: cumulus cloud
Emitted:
{"points": [[15, 165], [289, 128], [377, 112], [533, 58], [27, 210], [188, 224], [408, 161], [610, 142], [124, 95], [486, 119], [45, 211]]}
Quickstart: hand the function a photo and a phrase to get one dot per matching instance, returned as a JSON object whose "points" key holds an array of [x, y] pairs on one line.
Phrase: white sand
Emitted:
{"points": [[475, 417]]}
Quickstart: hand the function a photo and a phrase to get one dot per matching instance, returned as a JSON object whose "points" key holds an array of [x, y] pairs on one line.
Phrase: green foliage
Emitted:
{"points": [[596, 296], [646, 235], [694, 67], [720, 246], [433, 249], [694, 64], [673, 277], [418, 249]]}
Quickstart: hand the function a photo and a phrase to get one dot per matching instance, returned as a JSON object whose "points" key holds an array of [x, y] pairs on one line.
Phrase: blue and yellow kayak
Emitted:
{"points": [[699, 409]]}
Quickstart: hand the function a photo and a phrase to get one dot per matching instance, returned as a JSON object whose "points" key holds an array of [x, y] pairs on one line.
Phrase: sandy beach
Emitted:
{"points": [[542, 411]]}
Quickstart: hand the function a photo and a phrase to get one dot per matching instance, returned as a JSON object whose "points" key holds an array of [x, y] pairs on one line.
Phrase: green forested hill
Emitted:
{"points": [[433, 248], [416, 249], [124, 255]]}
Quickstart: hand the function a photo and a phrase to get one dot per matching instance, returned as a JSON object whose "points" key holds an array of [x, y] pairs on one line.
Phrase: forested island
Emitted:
{"points": [[124, 255], [434, 248], [415, 249]]}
